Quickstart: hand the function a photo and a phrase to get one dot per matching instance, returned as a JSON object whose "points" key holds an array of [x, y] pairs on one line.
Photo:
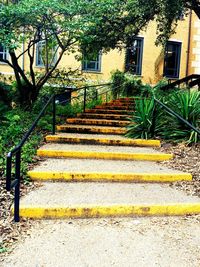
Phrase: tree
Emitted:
{"points": [[66, 26], [56, 27], [167, 13]]}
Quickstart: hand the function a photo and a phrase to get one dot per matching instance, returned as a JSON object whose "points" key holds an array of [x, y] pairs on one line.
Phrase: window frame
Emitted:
{"points": [[176, 74], [37, 55], [5, 54], [140, 58], [85, 62]]}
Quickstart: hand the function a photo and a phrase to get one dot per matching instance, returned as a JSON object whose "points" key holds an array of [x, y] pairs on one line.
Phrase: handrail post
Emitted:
{"points": [[8, 171], [96, 94], [17, 187], [54, 115], [84, 99]]}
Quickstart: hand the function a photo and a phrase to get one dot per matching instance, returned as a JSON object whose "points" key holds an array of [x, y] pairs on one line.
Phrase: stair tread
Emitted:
{"points": [[81, 194], [98, 120], [89, 126], [102, 166], [97, 148], [100, 136]]}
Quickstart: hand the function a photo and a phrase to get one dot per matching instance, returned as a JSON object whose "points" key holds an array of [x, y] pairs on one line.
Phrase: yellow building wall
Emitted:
{"points": [[152, 62], [194, 59]]}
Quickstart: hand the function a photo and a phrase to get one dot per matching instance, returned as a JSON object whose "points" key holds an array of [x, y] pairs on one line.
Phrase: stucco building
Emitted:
{"points": [[179, 58]]}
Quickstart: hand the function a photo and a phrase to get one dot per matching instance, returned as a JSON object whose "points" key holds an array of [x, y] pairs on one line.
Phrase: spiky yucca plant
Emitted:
{"points": [[143, 120], [187, 104]]}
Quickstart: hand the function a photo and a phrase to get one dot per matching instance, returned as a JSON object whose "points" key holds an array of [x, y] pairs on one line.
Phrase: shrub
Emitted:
{"points": [[131, 86], [117, 80]]}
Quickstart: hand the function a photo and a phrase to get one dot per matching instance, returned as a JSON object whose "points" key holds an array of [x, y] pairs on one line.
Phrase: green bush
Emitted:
{"points": [[15, 125], [132, 85], [117, 80]]}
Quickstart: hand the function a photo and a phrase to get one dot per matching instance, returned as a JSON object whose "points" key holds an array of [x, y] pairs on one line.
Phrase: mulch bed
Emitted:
{"points": [[186, 159], [11, 232]]}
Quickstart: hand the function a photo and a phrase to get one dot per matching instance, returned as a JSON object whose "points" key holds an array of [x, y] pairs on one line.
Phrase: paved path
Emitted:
{"points": [[119, 242]]}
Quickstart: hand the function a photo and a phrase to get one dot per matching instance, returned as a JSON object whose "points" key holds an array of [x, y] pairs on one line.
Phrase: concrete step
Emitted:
{"points": [[109, 111], [103, 116], [101, 140], [90, 129], [118, 104], [101, 152], [105, 170], [85, 200], [98, 122], [123, 101], [113, 107]]}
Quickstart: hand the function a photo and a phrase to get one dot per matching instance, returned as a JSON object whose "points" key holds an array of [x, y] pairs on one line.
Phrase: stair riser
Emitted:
{"points": [[104, 111], [86, 211], [91, 130], [98, 122], [126, 108], [103, 155], [118, 104], [96, 141]]}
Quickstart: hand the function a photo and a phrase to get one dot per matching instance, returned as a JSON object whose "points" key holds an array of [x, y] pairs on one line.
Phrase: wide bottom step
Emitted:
{"points": [[87, 211]]}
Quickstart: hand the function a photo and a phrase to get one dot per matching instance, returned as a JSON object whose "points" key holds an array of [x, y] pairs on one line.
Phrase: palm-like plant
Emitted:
{"points": [[143, 120], [187, 104]]}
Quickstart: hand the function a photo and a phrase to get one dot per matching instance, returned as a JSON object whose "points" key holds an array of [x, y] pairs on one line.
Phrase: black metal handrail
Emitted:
{"points": [[183, 80], [16, 151], [170, 111]]}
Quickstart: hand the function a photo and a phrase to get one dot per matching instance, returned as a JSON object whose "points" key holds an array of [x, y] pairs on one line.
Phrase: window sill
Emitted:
{"points": [[171, 78], [92, 71]]}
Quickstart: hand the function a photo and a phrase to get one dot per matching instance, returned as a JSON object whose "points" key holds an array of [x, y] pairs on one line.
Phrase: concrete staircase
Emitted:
{"points": [[97, 172]]}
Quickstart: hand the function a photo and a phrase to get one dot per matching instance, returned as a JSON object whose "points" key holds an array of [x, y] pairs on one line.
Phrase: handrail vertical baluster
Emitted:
{"points": [[84, 99], [17, 187], [8, 171], [54, 115]]}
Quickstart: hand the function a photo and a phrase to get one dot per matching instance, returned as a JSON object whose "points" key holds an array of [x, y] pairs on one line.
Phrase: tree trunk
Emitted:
{"points": [[27, 95]]}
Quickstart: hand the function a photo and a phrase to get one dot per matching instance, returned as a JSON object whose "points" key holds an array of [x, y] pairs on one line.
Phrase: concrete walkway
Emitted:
{"points": [[120, 242]]}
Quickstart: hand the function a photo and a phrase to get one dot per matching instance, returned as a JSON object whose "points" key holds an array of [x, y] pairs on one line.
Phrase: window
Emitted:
{"points": [[134, 54], [41, 52], [92, 62], [172, 59], [3, 53]]}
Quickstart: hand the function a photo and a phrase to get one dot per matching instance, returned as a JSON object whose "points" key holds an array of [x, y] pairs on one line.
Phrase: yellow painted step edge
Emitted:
{"points": [[104, 155], [115, 177], [138, 142], [88, 211]]}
